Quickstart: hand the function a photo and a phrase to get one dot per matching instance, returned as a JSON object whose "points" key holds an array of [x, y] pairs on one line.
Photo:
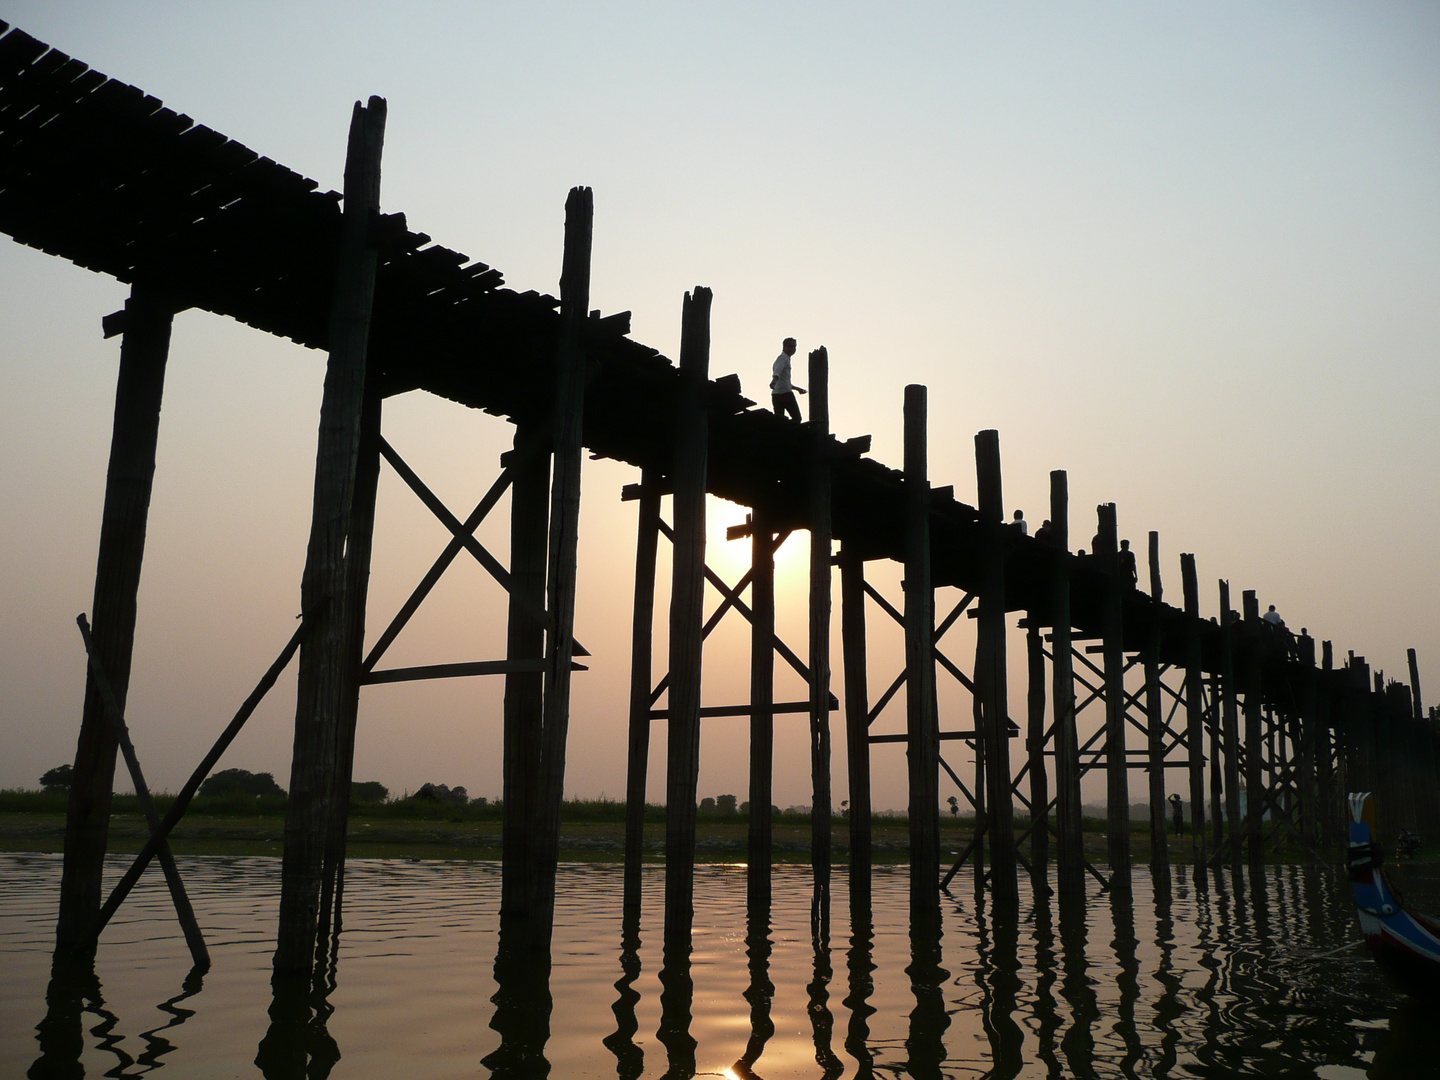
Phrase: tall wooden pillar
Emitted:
{"points": [[820, 573], [1217, 785], [1308, 729], [1254, 730], [762, 708], [1230, 723], [687, 595], [1155, 723], [641, 648], [857, 715], [1326, 749], [525, 641], [567, 421], [922, 728], [325, 664], [1117, 778], [1195, 708], [1035, 745], [359, 540], [1070, 842], [992, 682], [1417, 709], [138, 390]]}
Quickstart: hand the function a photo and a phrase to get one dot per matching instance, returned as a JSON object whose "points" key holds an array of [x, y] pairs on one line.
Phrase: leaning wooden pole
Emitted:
{"points": [[567, 422], [1117, 779], [523, 708], [1155, 725], [138, 390], [820, 604], [687, 594], [922, 729], [762, 709], [1070, 826], [992, 683], [857, 715], [323, 593], [1194, 708], [642, 635]]}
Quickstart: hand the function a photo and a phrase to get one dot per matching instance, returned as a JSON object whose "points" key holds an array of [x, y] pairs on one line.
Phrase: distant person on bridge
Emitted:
{"points": [[1046, 532], [782, 390], [1272, 618], [1129, 572], [1019, 524]]}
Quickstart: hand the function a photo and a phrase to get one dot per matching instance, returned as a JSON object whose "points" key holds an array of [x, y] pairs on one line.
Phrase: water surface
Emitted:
{"points": [[1176, 981]]}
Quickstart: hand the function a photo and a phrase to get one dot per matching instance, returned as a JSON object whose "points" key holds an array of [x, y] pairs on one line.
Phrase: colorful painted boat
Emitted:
{"points": [[1405, 943]]}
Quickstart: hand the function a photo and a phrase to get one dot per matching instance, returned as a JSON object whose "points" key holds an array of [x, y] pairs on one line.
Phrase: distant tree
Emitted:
{"points": [[241, 782], [57, 779], [368, 792], [440, 793], [725, 804], [954, 806], [707, 805]]}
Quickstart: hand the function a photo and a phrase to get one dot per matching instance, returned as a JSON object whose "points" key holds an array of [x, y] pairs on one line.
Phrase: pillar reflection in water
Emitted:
{"points": [[1127, 977], [999, 976], [629, 1058], [1047, 1016], [298, 1044], [73, 991], [522, 1006], [860, 969], [925, 1042], [760, 992], [1078, 1043], [1168, 1007], [822, 1023], [677, 999]]}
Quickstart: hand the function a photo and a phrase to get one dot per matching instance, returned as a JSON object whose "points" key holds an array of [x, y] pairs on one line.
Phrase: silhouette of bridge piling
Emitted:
{"points": [[100, 174]]}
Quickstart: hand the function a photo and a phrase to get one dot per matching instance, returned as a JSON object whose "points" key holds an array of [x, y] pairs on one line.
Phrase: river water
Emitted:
{"points": [[1176, 981]]}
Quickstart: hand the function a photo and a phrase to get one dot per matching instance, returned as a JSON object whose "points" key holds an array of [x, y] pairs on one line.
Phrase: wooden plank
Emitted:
{"points": [[923, 750], [687, 598], [128, 482], [819, 607], [324, 600], [642, 634]]}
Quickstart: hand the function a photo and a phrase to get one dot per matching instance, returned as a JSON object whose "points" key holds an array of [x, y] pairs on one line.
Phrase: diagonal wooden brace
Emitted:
{"points": [[193, 938]]}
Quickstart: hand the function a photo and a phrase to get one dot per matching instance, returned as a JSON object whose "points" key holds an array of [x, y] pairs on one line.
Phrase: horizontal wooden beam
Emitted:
{"points": [[745, 710], [457, 671]]}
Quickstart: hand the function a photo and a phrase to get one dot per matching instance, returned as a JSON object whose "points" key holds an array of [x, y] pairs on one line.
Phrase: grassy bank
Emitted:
{"points": [[591, 831]]}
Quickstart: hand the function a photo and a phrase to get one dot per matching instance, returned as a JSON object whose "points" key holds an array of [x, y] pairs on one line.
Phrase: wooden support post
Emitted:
{"points": [[324, 665], [762, 708], [1217, 786], [992, 682], [1070, 842], [687, 595], [641, 650], [1417, 710], [1326, 750], [1230, 723], [1117, 779], [1195, 710], [857, 716], [138, 390], [1254, 731], [1035, 745], [1155, 725], [524, 714], [922, 728], [820, 572], [567, 421], [1309, 744], [359, 540]]}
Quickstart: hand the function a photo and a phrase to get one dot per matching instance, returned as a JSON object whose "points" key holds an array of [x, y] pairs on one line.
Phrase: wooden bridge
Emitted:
{"points": [[99, 173]]}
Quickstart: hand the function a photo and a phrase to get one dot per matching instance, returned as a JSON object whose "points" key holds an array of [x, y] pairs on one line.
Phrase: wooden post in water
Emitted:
{"points": [[1217, 786], [993, 683], [359, 540], [138, 391], [687, 597], [1117, 786], [567, 419], [324, 594], [1195, 710], [820, 572], [857, 715], [922, 729], [1325, 749], [1309, 744], [1254, 733], [1070, 840], [641, 664], [524, 712], [1155, 723], [762, 707], [1035, 745], [1230, 723]]}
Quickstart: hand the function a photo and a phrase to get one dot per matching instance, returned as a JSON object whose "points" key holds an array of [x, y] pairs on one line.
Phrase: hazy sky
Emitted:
{"points": [[1189, 252]]}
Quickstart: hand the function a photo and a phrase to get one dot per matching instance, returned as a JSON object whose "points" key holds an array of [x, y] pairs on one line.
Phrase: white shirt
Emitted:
{"points": [[1272, 617], [781, 383]]}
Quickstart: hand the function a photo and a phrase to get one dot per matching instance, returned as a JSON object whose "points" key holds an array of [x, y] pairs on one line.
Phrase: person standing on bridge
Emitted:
{"points": [[1129, 572], [782, 390]]}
